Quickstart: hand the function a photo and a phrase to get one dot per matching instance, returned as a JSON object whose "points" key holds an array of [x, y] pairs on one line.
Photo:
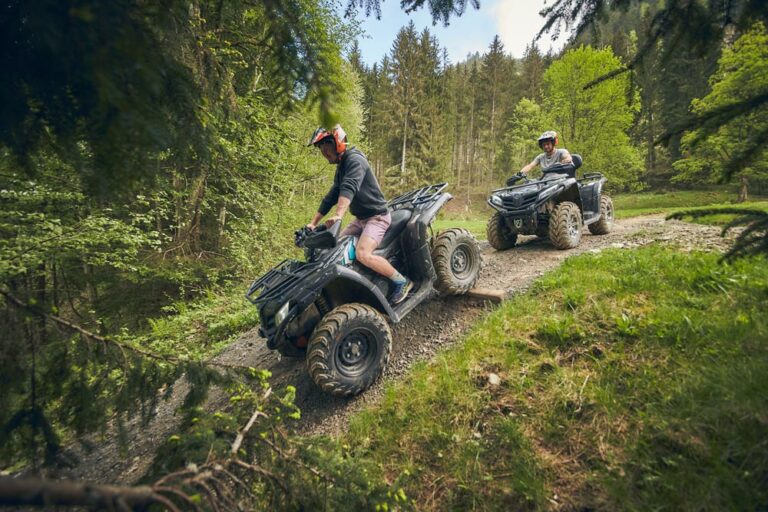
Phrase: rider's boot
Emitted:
{"points": [[400, 291]]}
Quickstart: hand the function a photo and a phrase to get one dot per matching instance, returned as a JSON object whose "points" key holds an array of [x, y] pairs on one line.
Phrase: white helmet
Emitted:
{"points": [[549, 135]]}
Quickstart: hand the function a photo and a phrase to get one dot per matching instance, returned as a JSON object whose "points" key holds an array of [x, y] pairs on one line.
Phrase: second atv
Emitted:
{"points": [[556, 206], [334, 311]]}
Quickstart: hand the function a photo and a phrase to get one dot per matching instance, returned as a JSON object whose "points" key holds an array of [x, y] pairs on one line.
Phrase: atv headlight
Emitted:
{"points": [[497, 201], [281, 313]]}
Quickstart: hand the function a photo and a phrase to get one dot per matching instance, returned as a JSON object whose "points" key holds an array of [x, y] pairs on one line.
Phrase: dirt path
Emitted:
{"points": [[428, 329]]}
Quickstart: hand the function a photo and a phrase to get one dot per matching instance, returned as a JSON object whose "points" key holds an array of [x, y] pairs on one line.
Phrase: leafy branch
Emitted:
{"points": [[123, 347]]}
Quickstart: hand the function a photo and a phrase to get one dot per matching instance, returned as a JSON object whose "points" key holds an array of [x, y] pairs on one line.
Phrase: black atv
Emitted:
{"points": [[333, 310], [556, 205]]}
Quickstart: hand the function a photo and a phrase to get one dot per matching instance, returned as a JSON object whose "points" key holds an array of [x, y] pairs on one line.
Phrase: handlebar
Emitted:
{"points": [[515, 178], [321, 237]]}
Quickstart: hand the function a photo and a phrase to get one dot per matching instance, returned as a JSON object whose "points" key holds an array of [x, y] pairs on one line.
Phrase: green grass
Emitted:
{"points": [[200, 329], [475, 226], [632, 205], [630, 380]]}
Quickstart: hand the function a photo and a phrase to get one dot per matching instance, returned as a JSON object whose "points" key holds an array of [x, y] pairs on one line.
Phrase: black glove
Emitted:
{"points": [[300, 235], [515, 178]]}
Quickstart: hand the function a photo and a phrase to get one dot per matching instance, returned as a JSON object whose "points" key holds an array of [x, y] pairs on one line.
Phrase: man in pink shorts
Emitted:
{"points": [[355, 188]]}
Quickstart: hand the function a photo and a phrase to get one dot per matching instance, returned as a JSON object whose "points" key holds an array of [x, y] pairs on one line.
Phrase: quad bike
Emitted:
{"points": [[556, 206], [333, 310]]}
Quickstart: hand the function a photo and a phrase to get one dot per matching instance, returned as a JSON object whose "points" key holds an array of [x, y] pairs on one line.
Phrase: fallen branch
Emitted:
{"points": [[39, 492], [241, 435]]}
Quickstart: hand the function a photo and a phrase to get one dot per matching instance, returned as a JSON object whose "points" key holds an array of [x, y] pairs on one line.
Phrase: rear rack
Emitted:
{"points": [[591, 176], [418, 197], [279, 279]]}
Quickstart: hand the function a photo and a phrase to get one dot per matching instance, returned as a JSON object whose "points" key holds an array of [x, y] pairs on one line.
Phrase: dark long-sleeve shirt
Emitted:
{"points": [[355, 181]]}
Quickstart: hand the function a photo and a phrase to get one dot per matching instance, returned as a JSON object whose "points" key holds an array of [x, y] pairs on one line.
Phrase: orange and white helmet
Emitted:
{"points": [[337, 134], [549, 135]]}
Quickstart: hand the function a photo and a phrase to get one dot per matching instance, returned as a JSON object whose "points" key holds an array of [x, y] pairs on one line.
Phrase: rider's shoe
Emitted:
{"points": [[400, 291]]}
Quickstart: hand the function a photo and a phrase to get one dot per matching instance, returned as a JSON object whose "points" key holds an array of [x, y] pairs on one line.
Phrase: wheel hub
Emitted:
{"points": [[356, 353], [459, 260], [573, 226], [353, 350]]}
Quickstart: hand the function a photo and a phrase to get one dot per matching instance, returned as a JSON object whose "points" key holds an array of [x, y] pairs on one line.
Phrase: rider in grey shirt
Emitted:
{"points": [[550, 156]]}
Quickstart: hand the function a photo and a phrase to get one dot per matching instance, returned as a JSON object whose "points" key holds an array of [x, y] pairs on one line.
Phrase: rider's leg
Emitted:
{"points": [[373, 233], [354, 228], [364, 254]]}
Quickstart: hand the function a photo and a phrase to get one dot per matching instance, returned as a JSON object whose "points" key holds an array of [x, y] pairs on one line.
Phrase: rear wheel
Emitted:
{"points": [[349, 349], [605, 224], [457, 260], [499, 235], [565, 225]]}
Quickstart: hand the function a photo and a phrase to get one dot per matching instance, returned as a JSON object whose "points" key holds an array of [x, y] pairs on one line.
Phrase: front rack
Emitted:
{"points": [[419, 196], [279, 279]]}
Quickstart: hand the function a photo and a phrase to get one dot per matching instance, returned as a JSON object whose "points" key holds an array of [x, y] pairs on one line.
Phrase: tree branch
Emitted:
{"points": [[106, 341], [39, 492]]}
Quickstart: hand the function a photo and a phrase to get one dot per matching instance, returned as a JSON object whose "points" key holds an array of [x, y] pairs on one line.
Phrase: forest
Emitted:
{"points": [[154, 161]]}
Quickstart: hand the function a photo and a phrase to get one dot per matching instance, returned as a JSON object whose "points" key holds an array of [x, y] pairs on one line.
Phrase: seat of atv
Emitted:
{"points": [[399, 219]]}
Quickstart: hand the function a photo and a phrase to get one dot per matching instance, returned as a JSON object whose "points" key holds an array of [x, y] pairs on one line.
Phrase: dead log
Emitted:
{"points": [[39, 492]]}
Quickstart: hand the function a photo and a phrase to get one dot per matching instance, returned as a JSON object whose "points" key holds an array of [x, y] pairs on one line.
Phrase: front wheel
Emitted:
{"points": [[565, 225], [457, 260], [499, 235], [349, 349], [605, 224]]}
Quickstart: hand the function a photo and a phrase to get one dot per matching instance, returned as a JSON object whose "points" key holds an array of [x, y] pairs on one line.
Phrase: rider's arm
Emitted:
{"points": [[566, 157], [341, 207], [330, 199], [352, 180], [530, 166], [315, 220]]}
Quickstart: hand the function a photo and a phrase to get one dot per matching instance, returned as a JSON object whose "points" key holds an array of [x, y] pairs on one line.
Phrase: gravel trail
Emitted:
{"points": [[429, 328]]}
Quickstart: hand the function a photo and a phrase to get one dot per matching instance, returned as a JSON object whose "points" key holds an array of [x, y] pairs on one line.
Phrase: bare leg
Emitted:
{"points": [[364, 254]]}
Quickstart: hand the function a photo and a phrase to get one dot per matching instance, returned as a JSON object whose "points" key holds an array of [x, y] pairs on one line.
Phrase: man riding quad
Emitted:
{"points": [[332, 308], [551, 156], [355, 188], [555, 206]]}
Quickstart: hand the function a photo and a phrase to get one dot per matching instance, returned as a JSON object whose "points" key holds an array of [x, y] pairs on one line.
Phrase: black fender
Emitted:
{"points": [[338, 285], [570, 193], [348, 284]]}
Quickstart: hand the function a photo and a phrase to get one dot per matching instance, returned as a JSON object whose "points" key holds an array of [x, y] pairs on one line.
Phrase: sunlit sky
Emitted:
{"points": [[516, 21]]}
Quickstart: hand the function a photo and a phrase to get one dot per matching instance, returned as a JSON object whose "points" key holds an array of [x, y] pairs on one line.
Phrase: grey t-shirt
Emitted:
{"points": [[548, 161]]}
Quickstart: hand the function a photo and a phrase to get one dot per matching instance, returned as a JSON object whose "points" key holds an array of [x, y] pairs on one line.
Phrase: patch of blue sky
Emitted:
{"points": [[516, 21]]}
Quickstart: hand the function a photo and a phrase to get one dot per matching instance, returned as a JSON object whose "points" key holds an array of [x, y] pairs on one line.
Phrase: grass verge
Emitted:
{"points": [[632, 205], [628, 380]]}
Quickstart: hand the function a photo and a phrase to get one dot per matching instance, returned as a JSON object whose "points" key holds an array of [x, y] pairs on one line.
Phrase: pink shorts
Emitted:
{"points": [[373, 227]]}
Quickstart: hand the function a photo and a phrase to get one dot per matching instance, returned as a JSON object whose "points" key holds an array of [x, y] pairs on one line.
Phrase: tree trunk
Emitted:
{"points": [[223, 219], [743, 184], [492, 153], [402, 156], [195, 202], [470, 151]]}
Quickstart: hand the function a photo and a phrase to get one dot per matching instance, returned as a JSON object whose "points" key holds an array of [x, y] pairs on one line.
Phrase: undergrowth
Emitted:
{"points": [[628, 381]]}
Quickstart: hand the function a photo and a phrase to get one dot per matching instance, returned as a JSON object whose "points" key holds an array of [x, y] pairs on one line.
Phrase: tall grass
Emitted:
{"points": [[629, 381]]}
